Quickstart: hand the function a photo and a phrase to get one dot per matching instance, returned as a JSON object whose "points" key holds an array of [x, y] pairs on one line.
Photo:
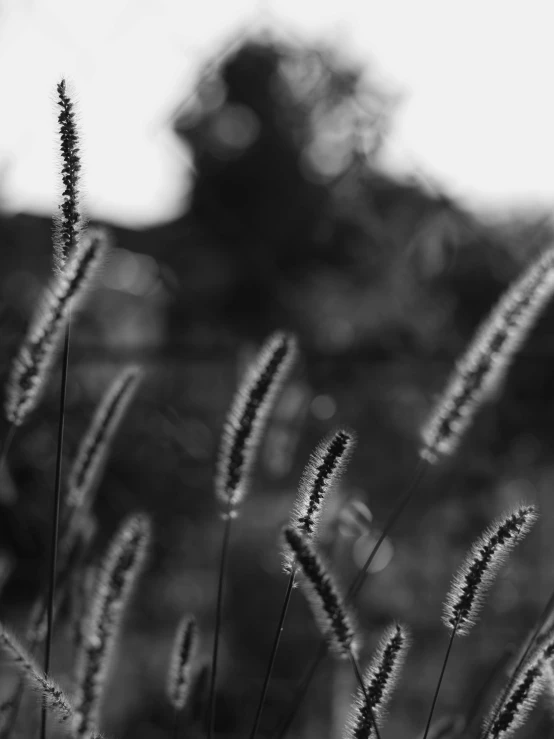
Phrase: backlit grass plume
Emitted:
{"points": [[31, 366], [482, 367], [119, 572], [532, 675], [248, 417], [327, 464], [481, 565], [242, 434], [475, 576], [183, 655], [327, 604], [67, 224], [379, 680], [95, 445], [48, 690], [508, 715]]}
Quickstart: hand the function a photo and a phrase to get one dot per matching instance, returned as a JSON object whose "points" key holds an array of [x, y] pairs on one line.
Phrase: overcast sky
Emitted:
{"points": [[476, 78]]}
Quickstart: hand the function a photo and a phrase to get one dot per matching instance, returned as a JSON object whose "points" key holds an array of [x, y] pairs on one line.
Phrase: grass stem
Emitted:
{"points": [[175, 723], [273, 655], [55, 521], [439, 683], [483, 691], [282, 730], [419, 474], [7, 444], [219, 606]]}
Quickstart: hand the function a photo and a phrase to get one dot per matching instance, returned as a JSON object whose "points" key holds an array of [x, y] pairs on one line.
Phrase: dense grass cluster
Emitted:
{"points": [[106, 590]]}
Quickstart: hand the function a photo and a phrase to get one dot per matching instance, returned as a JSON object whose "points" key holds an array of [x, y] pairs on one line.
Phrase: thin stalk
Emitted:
{"points": [[437, 689], [175, 723], [7, 444], [360, 679], [222, 569], [281, 731], [419, 474], [354, 589], [55, 522], [273, 655], [483, 691]]}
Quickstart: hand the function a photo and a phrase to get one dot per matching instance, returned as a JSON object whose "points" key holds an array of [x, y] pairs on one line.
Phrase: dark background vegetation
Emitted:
{"points": [[291, 225]]}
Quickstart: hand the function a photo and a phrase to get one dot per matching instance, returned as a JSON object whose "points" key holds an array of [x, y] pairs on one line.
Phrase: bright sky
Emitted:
{"points": [[476, 77]]}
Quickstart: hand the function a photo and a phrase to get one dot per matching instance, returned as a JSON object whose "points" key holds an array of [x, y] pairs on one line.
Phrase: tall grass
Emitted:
{"points": [[106, 596]]}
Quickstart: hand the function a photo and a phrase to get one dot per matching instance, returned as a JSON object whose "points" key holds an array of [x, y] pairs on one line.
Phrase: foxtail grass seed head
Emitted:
{"points": [[506, 718], [481, 565], [542, 654], [48, 690], [248, 416], [482, 367], [380, 679], [31, 366], [68, 223], [183, 655], [322, 473], [533, 677], [95, 446], [322, 594], [119, 572], [326, 466]]}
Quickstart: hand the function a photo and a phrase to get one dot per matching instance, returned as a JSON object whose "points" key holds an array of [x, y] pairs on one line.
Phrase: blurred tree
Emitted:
{"points": [[271, 129]]}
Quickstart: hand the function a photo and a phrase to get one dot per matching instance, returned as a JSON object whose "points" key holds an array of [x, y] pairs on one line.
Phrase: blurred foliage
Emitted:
{"points": [[291, 224]]}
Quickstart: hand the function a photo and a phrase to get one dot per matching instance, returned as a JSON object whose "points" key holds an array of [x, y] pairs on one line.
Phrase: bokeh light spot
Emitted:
{"points": [[323, 407]]}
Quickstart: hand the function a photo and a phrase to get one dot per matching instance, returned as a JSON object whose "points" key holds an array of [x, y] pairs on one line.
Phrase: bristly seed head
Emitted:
{"points": [[32, 364], [320, 476], [119, 572], [532, 675], [48, 690], [321, 592], [483, 366], [183, 655], [506, 718], [380, 679], [95, 445], [328, 462], [68, 223], [248, 417], [485, 558]]}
